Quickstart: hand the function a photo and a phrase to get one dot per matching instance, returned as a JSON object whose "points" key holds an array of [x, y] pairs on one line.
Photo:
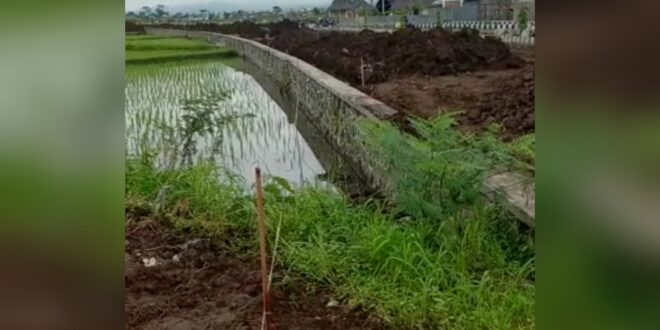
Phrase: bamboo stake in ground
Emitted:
{"points": [[261, 218], [362, 70]]}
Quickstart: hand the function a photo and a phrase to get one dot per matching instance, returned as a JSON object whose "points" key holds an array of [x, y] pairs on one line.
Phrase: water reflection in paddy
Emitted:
{"points": [[244, 130]]}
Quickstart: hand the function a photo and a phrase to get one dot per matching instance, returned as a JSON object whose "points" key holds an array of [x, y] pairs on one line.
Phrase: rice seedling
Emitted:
{"points": [[203, 110], [141, 49]]}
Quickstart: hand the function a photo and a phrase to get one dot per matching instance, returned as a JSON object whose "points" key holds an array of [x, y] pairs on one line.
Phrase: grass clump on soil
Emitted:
{"points": [[439, 171], [470, 270], [143, 48]]}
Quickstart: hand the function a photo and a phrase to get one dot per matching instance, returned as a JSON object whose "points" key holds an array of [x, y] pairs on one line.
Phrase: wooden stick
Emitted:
{"points": [[362, 70], [261, 218]]}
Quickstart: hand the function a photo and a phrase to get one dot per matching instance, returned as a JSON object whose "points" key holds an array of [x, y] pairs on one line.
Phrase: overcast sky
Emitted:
{"points": [[223, 5]]}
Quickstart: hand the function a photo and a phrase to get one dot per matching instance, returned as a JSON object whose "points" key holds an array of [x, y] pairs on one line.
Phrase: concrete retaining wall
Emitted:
{"points": [[336, 108]]}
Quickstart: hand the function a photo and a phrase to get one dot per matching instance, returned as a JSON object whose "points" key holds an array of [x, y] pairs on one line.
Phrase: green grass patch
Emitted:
{"points": [[471, 270], [166, 43], [142, 49], [172, 54], [141, 36]]}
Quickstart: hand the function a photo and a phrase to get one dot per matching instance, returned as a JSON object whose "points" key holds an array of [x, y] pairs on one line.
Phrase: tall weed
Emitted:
{"points": [[438, 171]]}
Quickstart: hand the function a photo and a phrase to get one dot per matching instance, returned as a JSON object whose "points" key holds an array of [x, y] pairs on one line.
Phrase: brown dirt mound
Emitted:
{"points": [[433, 60], [510, 104], [501, 96], [389, 55], [195, 284], [404, 52]]}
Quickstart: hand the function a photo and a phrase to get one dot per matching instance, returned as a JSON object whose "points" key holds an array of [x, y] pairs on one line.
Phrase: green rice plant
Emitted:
{"points": [[166, 43], [200, 116], [148, 49], [177, 107]]}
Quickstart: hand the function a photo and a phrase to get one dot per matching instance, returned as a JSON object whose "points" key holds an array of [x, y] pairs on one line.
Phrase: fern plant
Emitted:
{"points": [[439, 169], [523, 148], [523, 19]]}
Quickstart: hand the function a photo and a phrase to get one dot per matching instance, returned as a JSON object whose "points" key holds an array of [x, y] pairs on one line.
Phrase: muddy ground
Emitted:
{"points": [[418, 72], [496, 96], [194, 283]]}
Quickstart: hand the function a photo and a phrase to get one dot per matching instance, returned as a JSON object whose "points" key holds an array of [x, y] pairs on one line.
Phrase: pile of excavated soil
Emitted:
{"points": [[174, 281], [511, 104], [500, 96], [387, 55], [419, 72], [404, 52]]}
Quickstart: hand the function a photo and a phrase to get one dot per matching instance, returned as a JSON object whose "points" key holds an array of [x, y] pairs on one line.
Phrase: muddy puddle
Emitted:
{"points": [[201, 111]]}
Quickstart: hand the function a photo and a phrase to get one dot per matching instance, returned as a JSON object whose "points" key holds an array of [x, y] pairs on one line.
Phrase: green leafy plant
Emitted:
{"points": [[202, 115], [438, 170], [523, 19], [523, 147]]}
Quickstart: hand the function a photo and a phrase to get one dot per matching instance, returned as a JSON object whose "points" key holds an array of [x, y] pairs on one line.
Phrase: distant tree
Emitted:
{"points": [[277, 9], [145, 11], [316, 11], [416, 8], [383, 6], [131, 14], [161, 12], [400, 11], [226, 15]]}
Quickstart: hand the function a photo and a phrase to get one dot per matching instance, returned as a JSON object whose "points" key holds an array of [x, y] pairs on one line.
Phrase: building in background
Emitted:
{"points": [[452, 3], [505, 10], [411, 7], [455, 10], [495, 10], [349, 9]]}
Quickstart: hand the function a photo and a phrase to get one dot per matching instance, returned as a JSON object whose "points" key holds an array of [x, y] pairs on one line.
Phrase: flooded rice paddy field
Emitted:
{"points": [[187, 112]]}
